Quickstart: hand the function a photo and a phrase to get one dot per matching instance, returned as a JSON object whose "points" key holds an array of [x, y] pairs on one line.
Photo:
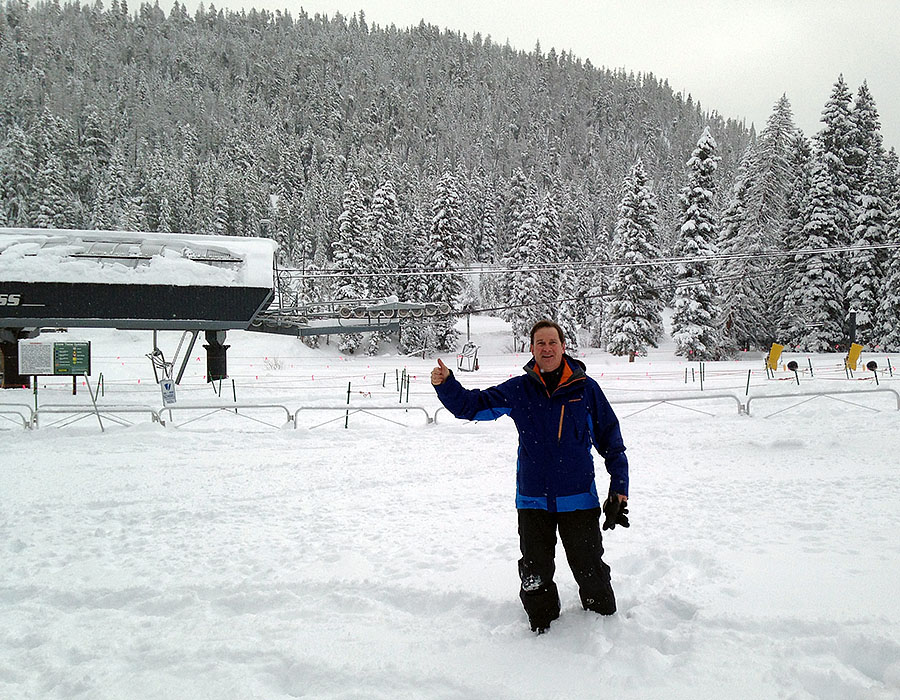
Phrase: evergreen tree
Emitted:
{"points": [[486, 240], [349, 258], [415, 333], [94, 151], [575, 235], [544, 257], [770, 180], [743, 271], [866, 149], [634, 311], [819, 281], [17, 178], [695, 321], [383, 228], [887, 327], [769, 171], [445, 253], [112, 195], [835, 149], [526, 288], [789, 311], [567, 310], [863, 288], [596, 283], [513, 232], [891, 173], [58, 207]]}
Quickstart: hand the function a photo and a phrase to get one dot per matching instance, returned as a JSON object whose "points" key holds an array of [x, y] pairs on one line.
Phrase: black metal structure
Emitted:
{"points": [[331, 317], [128, 280]]}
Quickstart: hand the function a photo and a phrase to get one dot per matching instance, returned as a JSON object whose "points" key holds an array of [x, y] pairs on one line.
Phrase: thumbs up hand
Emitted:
{"points": [[440, 373]]}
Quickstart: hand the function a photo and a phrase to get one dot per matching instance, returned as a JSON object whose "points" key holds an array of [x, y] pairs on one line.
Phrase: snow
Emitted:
{"points": [[43, 255], [225, 558]]}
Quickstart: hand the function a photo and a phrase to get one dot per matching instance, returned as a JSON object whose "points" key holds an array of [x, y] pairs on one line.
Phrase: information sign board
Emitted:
{"points": [[72, 358], [37, 358]]}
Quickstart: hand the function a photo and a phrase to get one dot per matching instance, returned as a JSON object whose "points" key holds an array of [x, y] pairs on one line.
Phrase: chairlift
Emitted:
{"points": [[467, 358]]}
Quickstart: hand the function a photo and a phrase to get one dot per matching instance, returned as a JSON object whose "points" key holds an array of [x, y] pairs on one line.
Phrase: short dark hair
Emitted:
{"points": [[546, 323]]}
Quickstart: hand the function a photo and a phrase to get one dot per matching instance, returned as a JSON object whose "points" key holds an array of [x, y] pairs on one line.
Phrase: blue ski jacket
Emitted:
{"points": [[555, 468]]}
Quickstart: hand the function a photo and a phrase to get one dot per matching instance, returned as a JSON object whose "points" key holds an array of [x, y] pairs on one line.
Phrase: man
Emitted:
{"points": [[559, 412]]}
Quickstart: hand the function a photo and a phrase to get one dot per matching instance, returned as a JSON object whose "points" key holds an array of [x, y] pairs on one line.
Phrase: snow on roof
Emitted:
{"points": [[127, 257]]}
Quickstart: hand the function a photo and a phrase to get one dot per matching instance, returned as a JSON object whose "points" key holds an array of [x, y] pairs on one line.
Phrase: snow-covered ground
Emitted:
{"points": [[225, 558]]}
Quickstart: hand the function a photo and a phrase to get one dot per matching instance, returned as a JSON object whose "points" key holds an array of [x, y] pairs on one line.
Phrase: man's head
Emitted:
{"points": [[547, 345]]}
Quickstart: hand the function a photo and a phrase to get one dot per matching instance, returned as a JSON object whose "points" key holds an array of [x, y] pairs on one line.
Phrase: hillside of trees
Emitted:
{"points": [[374, 153]]}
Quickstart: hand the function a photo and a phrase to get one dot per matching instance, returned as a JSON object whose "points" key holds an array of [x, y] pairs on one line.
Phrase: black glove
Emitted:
{"points": [[616, 512]]}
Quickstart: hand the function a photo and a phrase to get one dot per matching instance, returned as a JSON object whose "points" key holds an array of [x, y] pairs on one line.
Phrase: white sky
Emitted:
{"points": [[734, 56]]}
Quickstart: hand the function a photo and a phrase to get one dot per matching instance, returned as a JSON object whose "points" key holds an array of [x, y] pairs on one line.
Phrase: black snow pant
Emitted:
{"points": [[579, 531]]}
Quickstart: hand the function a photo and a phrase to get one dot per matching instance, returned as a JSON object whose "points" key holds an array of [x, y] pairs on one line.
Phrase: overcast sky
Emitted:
{"points": [[734, 56]]}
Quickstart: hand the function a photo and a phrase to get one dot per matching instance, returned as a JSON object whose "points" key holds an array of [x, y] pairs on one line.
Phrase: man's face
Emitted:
{"points": [[547, 349]]}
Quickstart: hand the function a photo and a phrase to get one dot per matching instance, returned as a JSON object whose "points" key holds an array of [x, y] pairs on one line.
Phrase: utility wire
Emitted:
{"points": [[608, 296], [316, 273]]}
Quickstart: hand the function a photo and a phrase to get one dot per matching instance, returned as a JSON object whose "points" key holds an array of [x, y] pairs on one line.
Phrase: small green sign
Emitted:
{"points": [[72, 358]]}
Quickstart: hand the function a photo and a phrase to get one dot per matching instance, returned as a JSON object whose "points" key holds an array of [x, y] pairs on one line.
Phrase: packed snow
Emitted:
{"points": [[233, 555], [49, 255]]}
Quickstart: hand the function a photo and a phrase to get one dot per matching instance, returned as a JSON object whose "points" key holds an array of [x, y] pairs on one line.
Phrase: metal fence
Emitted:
{"points": [[177, 416]]}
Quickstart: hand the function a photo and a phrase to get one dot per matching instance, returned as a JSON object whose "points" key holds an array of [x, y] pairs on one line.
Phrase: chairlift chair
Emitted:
{"points": [[467, 358]]}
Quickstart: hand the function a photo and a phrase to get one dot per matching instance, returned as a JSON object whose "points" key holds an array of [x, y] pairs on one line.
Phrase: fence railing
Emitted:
{"points": [[676, 401], [346, 411], [25, 416], [73, 413], [22, 410], [231, 408], [808, 396]]}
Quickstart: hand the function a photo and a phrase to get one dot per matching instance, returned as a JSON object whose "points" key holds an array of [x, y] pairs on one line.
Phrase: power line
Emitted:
{"points": [[316, 273], [608, 296]]}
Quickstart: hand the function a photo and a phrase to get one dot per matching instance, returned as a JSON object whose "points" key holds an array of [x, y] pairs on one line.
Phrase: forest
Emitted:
{"points": [[425, 164]]}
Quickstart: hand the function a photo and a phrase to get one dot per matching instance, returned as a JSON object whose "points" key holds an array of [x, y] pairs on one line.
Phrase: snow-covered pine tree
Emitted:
{"points": [[17, 178], [866, 148], [412, 287], [445, 253], [468, 211], [770, 180], [509, 231], [165, 214], [112, 196], [57, 206], [634, 309], [383, 226], [545, 254], [769, 171], [575, 235], [788, 297], [818, 274], [350, 258], [695, 321], [868, 161], [743, 270], [835, 149], [892, 177], [567, 310], [595, 285], [221, 212], [864, 286], [887, 327], [486, 238], [486, 251], [525, 284]]}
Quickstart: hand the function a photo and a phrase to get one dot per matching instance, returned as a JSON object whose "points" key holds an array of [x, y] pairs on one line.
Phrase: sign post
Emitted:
{"points": [[38, 359]]}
